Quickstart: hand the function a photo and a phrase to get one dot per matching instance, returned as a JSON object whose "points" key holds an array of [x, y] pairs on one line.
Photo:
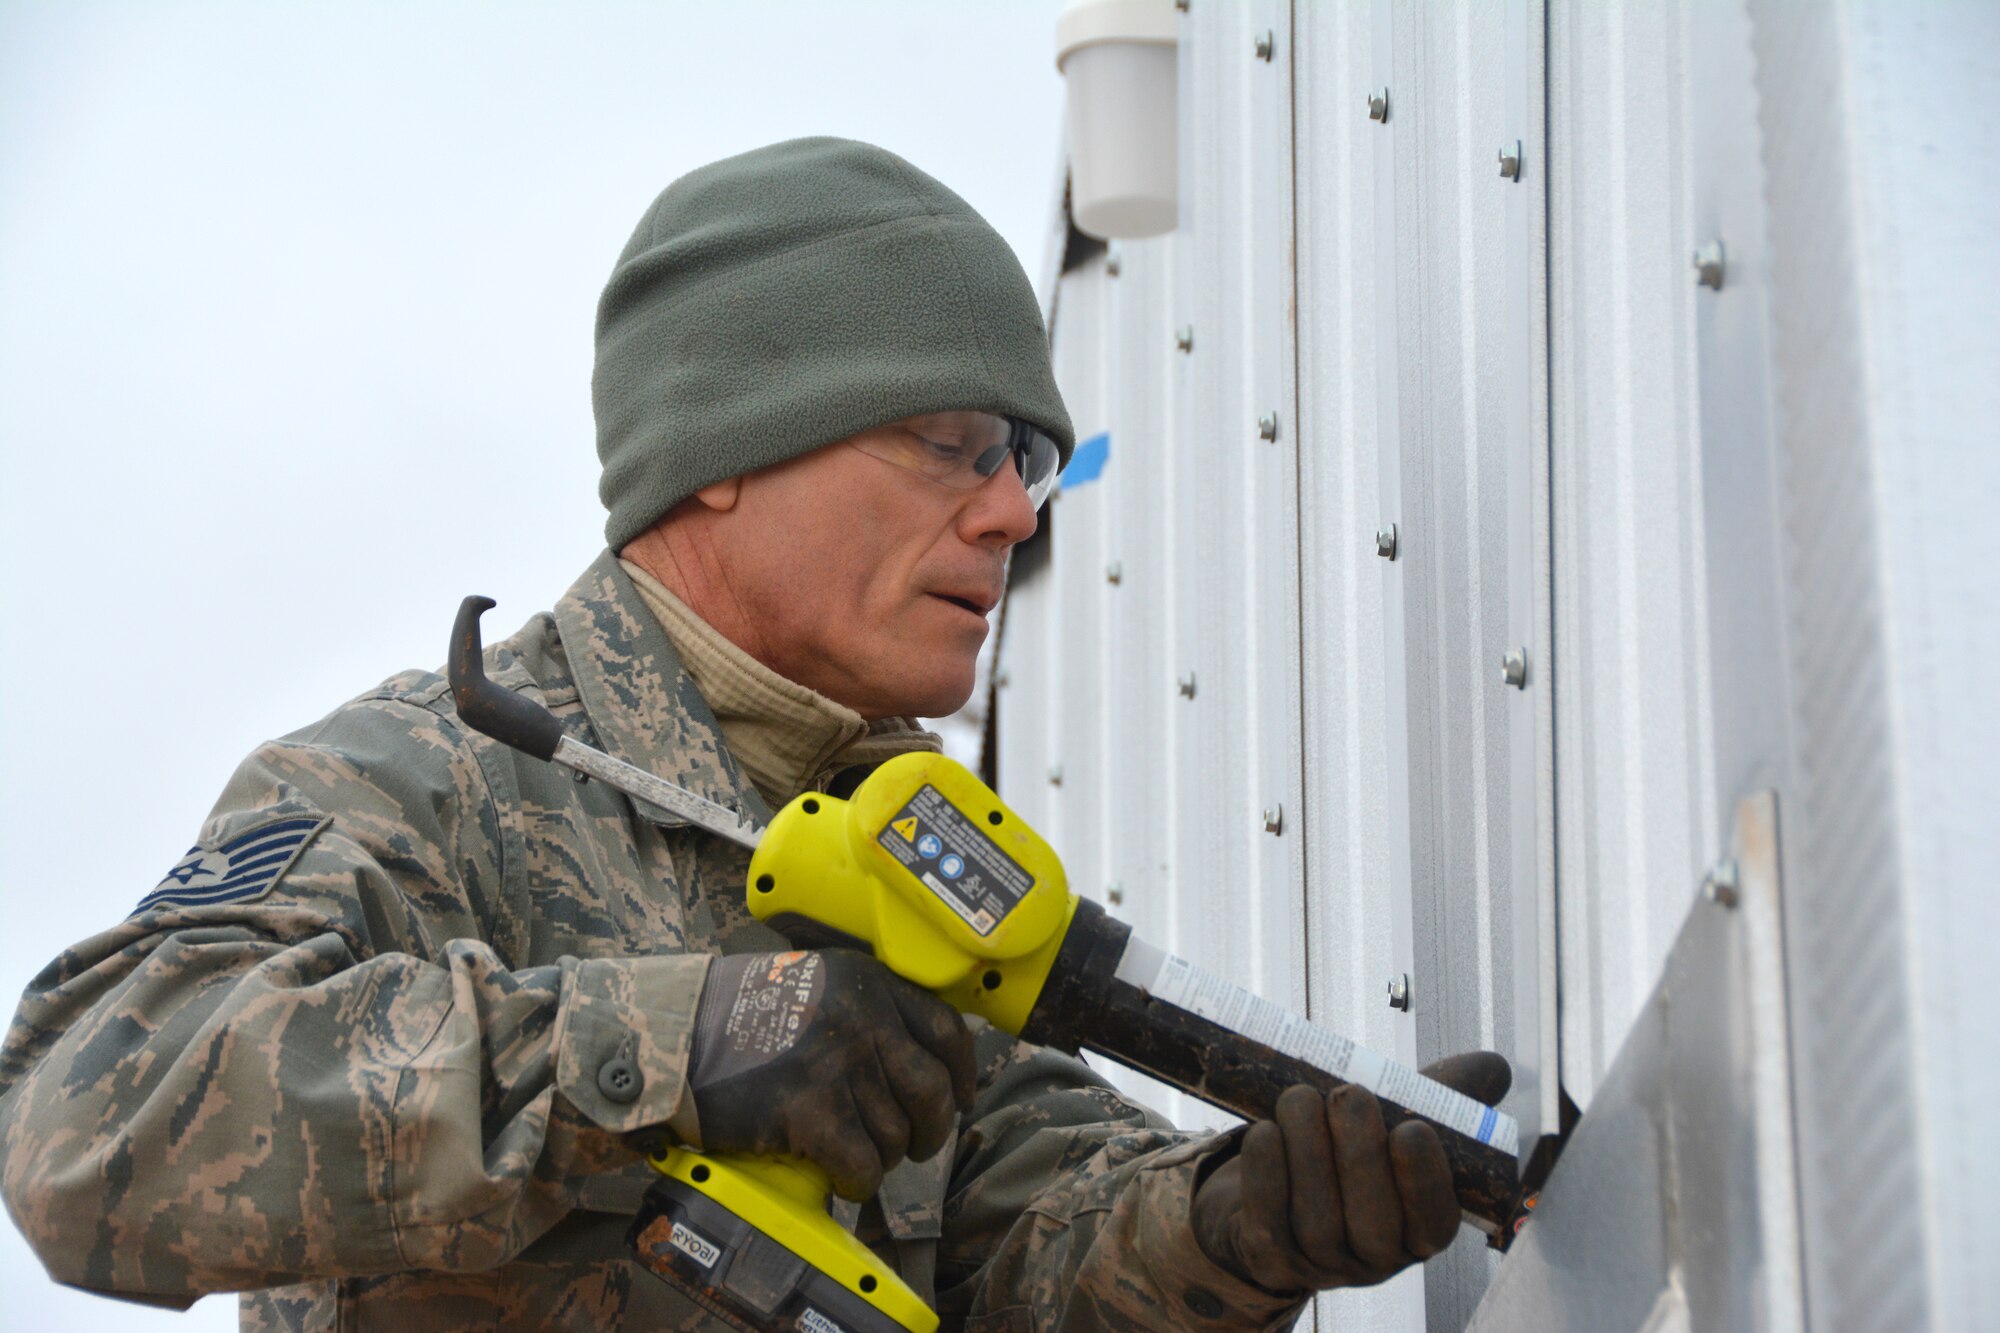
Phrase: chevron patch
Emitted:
{"points": [[244, 867]]}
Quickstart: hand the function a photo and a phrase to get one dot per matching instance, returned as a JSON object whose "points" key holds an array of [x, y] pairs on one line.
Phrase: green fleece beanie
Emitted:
{"points": [[778, 301]]}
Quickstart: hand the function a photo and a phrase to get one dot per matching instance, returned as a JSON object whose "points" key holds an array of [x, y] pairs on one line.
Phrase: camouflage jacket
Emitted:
{"points": [[345, 1058]]}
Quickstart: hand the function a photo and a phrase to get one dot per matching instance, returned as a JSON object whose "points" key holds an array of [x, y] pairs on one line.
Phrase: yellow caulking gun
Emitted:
{"points": [[931, 872]]}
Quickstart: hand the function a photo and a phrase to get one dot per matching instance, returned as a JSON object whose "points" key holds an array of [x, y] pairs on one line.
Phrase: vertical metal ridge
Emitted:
{"points": [[1301, 433], [1549, 743]]}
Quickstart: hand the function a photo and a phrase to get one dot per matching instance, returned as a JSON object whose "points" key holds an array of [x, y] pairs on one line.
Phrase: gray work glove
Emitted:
{"points": [[1325, 1196], [829, 1056]]}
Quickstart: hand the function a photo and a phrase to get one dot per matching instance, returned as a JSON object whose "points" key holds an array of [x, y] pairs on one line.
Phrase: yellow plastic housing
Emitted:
{"points": [[826, 859], [785, 1198]]}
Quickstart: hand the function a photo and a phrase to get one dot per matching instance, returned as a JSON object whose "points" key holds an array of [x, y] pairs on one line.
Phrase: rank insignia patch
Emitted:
{"points": [[243, 867]]}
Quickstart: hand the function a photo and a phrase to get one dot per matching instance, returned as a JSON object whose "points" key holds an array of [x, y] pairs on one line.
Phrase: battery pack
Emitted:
{"points": [[739, 1273]]}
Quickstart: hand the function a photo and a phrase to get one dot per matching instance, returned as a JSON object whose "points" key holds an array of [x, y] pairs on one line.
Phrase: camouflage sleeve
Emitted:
{"points": [[1069, 1209], [339, 1074]]}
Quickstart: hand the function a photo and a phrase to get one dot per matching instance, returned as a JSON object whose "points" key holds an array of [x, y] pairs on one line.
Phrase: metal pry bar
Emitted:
{"points": [[525, 725]]}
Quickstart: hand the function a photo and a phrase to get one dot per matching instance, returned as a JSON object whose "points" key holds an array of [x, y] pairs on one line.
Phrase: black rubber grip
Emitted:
{"points": [[485, 707]]}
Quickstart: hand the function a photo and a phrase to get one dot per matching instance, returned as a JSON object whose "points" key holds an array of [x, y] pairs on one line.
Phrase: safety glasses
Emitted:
{"points": [[962, 449]]}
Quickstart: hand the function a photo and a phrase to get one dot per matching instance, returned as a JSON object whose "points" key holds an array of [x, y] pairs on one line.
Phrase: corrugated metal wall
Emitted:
{"points": [[1420, 346], [1210, 617], [1149, 665], [1669, 499]]}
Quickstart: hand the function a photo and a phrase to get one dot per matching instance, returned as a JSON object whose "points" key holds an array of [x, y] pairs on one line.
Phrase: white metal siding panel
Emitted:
{"points": [[1421, 324], [1199, 517], [1082, 763], [1123, 683], [1356, 817], [1139, 702], [1467, 440], [1160, 794], [1441, 407], [1637, 793], [1236, 586], [1035, 684], [1350, 828]]}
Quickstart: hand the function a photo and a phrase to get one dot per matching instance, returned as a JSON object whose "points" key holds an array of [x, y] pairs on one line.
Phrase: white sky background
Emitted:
{"points": [[295, 338]]}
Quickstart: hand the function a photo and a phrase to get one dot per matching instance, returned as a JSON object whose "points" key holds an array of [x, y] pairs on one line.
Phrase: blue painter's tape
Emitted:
{"points": [[1087, 463]]}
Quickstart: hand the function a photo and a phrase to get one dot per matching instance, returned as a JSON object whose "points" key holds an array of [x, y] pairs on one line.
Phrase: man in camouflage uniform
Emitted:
{"points": [[385, 1048]]}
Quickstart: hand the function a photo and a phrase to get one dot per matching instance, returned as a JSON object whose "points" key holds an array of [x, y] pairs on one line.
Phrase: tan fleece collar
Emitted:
{"points": [[788, 738]]}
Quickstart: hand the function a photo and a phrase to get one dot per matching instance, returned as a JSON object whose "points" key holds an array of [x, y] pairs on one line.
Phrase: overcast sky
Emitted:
{"points": [[295, 322]]}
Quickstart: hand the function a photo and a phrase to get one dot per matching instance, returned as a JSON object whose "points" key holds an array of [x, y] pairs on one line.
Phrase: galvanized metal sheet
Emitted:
{"points": [[1675, 1202]]}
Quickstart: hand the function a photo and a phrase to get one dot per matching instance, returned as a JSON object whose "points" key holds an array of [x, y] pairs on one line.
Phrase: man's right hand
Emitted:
{"points": [[829, 1056], [1324, 1195]]}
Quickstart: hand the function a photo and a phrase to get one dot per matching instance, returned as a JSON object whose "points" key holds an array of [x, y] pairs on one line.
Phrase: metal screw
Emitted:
{"points": [[1708, 264], [1114, 893], [1267, 44], [1510, 161], [1184, 337], [1274, 819], [1399, 991], [1378, 105], [1721, 886], [1385, 542], [1187, 686], [1267, 426], [1514, 668], [1055, 775], [1114, 263], [578, 775], [1114, 572]]}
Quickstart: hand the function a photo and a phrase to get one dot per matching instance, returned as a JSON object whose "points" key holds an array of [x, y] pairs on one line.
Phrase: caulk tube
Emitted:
{"points": [[1161, 1015]]}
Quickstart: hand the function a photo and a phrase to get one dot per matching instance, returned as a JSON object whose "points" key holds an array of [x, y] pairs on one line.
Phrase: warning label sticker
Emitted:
{"points": [[966, 869]]}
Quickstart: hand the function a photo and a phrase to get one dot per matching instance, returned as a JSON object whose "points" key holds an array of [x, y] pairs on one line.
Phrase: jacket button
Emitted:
{"points": [[620, 1080], [1203, 1302]]}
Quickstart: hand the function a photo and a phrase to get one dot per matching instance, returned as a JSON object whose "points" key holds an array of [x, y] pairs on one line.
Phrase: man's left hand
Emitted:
{"points": [[1326, 1196]]}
